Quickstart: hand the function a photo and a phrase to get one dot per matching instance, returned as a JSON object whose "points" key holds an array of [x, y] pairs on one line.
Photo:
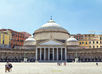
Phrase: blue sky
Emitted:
{"points": [[76, 16]]}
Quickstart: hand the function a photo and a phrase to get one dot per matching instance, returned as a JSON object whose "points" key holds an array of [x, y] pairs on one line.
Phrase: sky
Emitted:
{"points": [[76, 16]]}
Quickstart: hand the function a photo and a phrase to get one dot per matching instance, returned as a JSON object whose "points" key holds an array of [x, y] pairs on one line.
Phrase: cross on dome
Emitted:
{"points": [[50, 17]]}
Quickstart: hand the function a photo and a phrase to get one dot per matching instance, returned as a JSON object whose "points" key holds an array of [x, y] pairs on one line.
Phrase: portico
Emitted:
{"points": [[51, 54]]}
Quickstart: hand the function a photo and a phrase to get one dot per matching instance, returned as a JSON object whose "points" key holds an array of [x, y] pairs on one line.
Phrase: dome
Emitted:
{"points": [[72, 39], [72, 42], [51, 30], [30, 39], [51, 25]]}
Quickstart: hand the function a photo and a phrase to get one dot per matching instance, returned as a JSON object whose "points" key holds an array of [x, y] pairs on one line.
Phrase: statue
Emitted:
{"points": [[25, 55], [76, 55]]}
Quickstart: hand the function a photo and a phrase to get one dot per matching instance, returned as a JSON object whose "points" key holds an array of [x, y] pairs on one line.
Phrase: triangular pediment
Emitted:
{"points": [[51, 42]]}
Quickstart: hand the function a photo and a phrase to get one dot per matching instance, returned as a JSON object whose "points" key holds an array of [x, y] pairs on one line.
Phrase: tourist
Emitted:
{"points": [[64, 63], [7, 67], [97, 63]]}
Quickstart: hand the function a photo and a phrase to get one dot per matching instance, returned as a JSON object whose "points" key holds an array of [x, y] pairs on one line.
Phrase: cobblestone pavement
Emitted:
{"points": [[52, 68]]}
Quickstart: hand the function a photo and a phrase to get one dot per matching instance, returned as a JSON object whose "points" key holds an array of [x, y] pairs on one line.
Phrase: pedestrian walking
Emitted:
{"points": [[7, 67]]}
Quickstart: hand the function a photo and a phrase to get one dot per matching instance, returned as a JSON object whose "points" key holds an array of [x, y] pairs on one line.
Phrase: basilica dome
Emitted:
{"points": [[51, 30], [29, 41], [51, 25]]}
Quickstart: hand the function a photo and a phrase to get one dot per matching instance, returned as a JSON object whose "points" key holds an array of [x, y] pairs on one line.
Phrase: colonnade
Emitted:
{"points": [[16, 57], [48, 54]]}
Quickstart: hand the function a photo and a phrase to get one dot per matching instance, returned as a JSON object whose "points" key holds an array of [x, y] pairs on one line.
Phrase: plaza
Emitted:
{"points": [[52, 68]]}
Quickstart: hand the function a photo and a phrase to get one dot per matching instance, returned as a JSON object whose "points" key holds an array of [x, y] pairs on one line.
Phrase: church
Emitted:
{"points": [[51, 43]]}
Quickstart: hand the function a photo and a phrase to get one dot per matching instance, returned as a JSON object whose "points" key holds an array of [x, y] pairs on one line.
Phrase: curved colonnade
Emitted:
{"points": [[83, 56]]}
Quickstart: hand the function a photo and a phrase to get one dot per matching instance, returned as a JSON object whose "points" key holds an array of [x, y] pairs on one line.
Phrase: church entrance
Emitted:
{"points": [[42, 57], [50, 56], [59, 56]]}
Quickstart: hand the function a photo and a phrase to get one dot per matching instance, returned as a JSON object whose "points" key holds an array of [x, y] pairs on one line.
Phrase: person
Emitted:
{"points": [[97, 63], [7, 67], [10, 65], [64, 63]]}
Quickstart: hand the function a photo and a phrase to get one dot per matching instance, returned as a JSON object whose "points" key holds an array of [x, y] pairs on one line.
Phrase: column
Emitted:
{"points": [[65, 54], [61, 53], [53, 54], [40, 54], [57, 53], [36, 55], [44, 53], [48, 53]]}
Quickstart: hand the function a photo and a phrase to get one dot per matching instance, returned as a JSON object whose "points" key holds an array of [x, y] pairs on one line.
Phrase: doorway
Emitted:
{"points": [[59, 56], [50, 56]]}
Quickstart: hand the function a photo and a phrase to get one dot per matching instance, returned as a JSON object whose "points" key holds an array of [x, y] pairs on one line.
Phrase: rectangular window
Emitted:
{"points": [[93, 46], [100, 46], [93, 42], [3, 36], [89, 46], [82, 42], [85, 35], [90, 42], [86, 42]]}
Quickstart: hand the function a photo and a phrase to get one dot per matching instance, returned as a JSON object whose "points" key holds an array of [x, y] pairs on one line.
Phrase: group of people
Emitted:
{"points": [[59, 64], [8, 67]]}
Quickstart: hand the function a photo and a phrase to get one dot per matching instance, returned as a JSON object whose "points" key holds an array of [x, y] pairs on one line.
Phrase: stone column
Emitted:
{"points": [[53, 54], [44, 53], [61, 53], [57, 53], [65, 54], [48, 53], [36, 55], [40, 54]]}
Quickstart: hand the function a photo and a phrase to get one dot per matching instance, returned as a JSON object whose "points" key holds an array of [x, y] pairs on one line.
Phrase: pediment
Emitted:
{"points": [[51, 42]]}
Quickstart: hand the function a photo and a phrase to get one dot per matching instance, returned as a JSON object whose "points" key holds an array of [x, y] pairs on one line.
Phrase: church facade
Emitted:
{"points": [[51, 43]]}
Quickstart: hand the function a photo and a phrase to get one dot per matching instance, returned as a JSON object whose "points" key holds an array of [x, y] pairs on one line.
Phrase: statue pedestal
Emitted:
{"points": [[25, 59], [76, 60], [36, 61]]}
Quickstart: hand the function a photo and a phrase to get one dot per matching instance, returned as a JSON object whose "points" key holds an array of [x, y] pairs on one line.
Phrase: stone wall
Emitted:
{"points": [[51, 35]]}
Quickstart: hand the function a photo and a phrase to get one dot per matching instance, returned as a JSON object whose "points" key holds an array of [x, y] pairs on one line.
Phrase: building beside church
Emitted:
{"points": [[5, 39], [26, 35], [51, 43]]}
